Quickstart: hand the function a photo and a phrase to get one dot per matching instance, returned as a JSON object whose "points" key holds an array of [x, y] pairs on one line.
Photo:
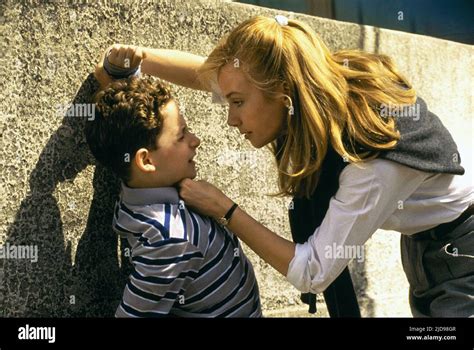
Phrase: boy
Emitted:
{"points": [[185, 264]]}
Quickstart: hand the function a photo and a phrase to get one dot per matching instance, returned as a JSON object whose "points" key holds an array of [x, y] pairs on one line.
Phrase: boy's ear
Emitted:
{"points": [[143, 161]]}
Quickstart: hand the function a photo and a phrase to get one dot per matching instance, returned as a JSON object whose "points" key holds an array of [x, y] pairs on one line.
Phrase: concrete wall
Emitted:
{"points": [[53, 196]]}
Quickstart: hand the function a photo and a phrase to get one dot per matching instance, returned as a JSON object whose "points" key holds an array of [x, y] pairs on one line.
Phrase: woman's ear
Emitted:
{"points": [[286, 88], [143, 161], [285, 94]]}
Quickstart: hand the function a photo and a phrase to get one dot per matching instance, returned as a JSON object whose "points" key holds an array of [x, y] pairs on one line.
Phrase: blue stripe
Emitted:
{"points": [[212, 235], [145, 240], [217, 258], [231, 295], [153, 297], [137, 313], [163, 280], [167, 216], [183, 219], [251, 295], [162, 243], [167, 261], [142, 218], [214, 286], [196, 230]]}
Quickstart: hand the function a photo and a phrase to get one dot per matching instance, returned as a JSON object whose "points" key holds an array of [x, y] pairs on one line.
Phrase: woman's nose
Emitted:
{"points": [[233, 120]]}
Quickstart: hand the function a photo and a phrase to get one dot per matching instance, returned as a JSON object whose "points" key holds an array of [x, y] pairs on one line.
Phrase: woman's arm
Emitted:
{"points": [[368, 195], [272, 248], [177, 67]]}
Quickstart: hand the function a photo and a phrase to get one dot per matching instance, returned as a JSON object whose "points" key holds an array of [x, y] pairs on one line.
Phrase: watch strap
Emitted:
{"points": [[229, 213]]}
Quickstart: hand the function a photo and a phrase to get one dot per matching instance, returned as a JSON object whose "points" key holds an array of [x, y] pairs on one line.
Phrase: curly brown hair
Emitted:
{"points": [[127, 118]]}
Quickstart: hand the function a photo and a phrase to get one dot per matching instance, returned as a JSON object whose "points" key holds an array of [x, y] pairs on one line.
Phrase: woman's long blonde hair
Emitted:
{"points": [[336, 96]]}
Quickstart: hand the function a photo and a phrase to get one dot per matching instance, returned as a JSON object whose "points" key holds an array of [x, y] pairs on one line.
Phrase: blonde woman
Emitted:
{"points": [[355, 147]]}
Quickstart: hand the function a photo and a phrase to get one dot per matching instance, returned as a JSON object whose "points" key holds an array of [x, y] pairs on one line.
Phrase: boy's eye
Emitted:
{"points": [[185, 130]]}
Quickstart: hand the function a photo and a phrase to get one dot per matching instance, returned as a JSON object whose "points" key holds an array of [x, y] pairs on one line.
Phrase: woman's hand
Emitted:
{"points": [[126, 56], [209, 200], [204, 198], [100, 74], [123, 56]]}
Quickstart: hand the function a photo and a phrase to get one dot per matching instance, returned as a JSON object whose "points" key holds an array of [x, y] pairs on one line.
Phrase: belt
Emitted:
{"points": [[441, 230]]}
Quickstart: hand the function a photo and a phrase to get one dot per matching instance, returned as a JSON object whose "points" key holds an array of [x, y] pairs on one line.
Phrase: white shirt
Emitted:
{"points": [[372, 195]]}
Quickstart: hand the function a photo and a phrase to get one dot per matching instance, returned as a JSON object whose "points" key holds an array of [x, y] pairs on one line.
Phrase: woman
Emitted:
{"points": [[355, 147]]}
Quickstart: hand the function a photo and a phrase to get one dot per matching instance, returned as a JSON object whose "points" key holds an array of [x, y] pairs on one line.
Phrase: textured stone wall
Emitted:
{"points": [[53, 197]]}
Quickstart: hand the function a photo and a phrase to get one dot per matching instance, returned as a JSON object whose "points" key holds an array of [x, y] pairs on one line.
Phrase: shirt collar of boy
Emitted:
{"points": [[144, 196]]}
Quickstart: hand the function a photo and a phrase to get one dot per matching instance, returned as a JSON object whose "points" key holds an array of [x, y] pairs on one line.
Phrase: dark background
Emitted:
{"points": [[445, 19]]}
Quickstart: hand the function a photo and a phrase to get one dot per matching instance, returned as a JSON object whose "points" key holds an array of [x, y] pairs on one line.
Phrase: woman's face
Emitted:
{"points": [[257, 117]]}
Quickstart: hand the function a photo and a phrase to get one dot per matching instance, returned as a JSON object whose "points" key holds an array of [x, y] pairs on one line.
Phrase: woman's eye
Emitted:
{"points": [[238, 103]]}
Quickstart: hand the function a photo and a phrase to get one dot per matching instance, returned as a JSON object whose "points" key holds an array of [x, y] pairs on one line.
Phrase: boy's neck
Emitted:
{"points": [[148, 183], [149, 195]]}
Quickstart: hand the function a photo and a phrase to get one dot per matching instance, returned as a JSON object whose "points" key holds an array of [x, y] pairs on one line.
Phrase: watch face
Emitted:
{"points": [[223, 221]]}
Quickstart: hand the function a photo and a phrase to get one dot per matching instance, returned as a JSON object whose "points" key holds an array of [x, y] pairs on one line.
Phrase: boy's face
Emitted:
{"points": [[177, 146]]}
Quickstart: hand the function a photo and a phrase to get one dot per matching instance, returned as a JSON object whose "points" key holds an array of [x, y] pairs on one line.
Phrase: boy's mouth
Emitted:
{"points": [[246, 134]]}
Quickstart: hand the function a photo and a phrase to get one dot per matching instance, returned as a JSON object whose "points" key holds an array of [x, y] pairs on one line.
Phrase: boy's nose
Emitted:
{"points": [[195, 141]]}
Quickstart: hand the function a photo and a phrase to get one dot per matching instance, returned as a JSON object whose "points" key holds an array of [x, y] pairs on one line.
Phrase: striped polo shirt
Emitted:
{"points": [[185, 264]]}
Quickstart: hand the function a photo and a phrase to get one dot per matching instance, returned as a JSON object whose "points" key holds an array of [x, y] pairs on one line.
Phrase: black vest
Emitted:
{"points": [[425, 144]]}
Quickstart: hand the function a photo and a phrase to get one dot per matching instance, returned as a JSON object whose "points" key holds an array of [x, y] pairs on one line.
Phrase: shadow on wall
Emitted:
{"points": [[53, 286]]}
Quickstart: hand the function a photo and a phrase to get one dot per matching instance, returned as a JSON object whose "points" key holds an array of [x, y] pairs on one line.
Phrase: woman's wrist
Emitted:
{"points": [[102, 77], [124, 70], [223, 207]]}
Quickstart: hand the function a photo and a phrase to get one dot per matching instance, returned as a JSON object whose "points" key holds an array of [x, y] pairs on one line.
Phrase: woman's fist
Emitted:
{"points": [[126, 57], [204, 198]]}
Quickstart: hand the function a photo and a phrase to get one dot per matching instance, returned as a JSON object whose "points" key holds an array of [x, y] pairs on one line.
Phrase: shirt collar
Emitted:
{"points": [[154, 195]]}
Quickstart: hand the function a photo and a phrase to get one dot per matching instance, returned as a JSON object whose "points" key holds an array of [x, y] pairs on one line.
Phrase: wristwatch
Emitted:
{"points": [[224, 221], [117, 72]]}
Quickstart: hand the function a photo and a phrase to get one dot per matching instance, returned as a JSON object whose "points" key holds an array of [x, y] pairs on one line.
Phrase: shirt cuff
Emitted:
{"points": [[298, 274]]}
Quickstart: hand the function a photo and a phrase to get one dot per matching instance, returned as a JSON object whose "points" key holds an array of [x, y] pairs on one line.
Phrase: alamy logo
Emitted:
{"points": [[37, 333], [11, 251], [400, 111], [238, 159], [76, 110], [350, 252]]}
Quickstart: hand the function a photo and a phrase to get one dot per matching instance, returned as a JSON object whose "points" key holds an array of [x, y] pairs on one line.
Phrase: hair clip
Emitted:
{"points": [[281, 20]]}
